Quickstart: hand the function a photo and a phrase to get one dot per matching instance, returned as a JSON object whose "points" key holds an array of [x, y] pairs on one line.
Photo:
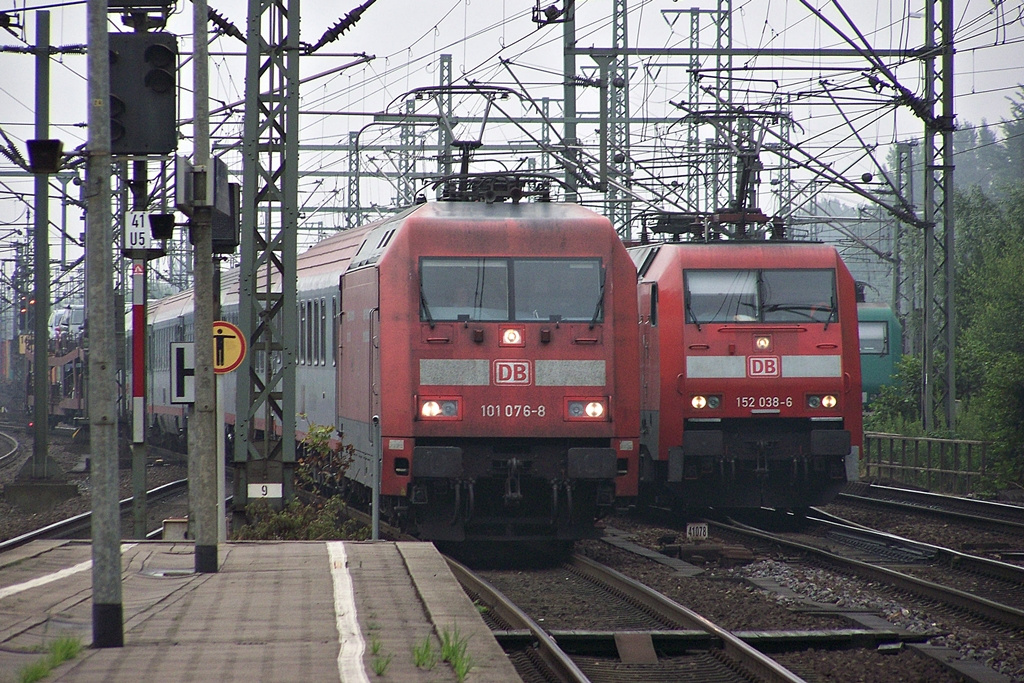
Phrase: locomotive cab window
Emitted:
{"points": [[714, 296], [795, 296], [770, 296], [558, 289], [874, 337], [463, 289], [497, 289]]}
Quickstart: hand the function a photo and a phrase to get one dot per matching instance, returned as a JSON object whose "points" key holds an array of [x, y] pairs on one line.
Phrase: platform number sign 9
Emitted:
{"points": [[267, 490]]}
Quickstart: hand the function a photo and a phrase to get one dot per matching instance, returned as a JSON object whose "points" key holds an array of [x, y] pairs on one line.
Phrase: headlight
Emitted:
{"points": [[762, 343], [825, 401], [585, 409], [701, 402], [439, 409], [511, 337]]}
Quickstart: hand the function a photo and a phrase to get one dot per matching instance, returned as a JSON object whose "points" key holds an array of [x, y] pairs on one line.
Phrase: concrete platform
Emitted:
{"points": [[289, 611]]}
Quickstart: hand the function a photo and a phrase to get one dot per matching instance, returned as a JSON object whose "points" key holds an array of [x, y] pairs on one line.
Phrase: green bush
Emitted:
{"points": [[300, 522]]}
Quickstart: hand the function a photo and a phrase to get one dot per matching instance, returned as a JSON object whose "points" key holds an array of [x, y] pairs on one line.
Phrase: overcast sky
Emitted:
{"points": [[495, 41]]}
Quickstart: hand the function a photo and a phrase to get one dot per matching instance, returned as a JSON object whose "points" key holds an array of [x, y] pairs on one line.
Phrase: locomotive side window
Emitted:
{"points": [[558, 289], [794, 296], [714, 296], [464, 289], [874, 337]]}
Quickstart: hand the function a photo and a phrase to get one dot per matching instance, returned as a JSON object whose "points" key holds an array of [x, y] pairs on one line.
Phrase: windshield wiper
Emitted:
{"points": [[425, 308], [693, 316], [600, 300]]}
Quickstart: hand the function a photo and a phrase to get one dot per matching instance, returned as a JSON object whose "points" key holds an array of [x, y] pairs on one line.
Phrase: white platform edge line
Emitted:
{"points": [[352, 645], [55, 576]]}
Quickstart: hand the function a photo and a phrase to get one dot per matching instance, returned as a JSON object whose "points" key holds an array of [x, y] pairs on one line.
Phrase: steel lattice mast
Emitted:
{"points": [[267, 289], [938, 388]]}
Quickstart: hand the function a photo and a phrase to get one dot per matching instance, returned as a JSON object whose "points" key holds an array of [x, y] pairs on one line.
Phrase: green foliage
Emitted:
{"points": [[36, 671], [897, 408], [61, 650], [64, 648], [453, 651], [322, 461], [989, 305], [300, 522], [380, 662], [423, 655], [996, 413]]}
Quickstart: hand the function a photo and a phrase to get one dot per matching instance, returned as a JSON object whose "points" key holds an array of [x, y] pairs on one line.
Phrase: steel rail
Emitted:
{"points": [[999, 613], [72, 525], [996, 514], [947, 556], [13, 452], [560, 664], [755, 661]]}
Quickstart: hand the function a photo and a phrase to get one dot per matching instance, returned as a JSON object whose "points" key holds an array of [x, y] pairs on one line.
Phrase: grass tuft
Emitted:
{"points": [[423, 655], [60, 651]]}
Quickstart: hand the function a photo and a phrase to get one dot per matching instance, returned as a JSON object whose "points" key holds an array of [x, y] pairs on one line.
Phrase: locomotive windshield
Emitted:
{"points": [[503, 289], [768, 296], [874, 337]]}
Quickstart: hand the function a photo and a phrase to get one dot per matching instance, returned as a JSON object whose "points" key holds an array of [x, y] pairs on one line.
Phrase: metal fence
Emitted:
{"points": [[952, 466]]}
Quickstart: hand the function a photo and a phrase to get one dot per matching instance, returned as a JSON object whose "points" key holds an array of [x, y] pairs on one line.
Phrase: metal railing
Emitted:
{"points": [[952, 466]]}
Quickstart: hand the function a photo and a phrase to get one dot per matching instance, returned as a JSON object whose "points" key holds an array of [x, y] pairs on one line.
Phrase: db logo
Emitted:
{"points": [[762, 366], [511, 372]]}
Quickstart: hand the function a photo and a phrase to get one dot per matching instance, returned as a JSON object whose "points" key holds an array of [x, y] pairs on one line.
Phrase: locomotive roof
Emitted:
{"points": [[738, 254], [320, 266]]}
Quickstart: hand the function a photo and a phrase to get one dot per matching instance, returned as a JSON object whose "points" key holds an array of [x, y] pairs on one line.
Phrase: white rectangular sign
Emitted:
{"points": [[267, 490], [137, 235]]}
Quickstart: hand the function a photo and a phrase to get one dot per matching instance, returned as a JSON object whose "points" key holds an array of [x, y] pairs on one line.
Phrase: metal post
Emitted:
{"points": [[140, 202], [202, 450], [139, 391], [40, 363], [107, 611], [375, 499], [569, 100]]}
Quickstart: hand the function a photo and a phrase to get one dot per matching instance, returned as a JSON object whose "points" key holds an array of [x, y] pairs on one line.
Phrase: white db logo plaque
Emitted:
{"points": [[512, 372], [762, 366]]}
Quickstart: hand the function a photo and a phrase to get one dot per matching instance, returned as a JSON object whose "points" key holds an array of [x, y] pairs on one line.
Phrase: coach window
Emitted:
{"points": [[874, 337], [714, 296], [334, 330], [467, 289], [302, 332], [324, 335], [794, 296]]}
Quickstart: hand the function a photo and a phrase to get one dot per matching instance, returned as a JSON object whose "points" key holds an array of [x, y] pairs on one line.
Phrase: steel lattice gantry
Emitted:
{"points": [[265, 424]]}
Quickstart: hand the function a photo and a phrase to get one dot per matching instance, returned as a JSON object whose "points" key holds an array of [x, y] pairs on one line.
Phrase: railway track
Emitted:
{"points": [[983, 588], [9, 447], [78, 526], [983, 515], [646, 636]]}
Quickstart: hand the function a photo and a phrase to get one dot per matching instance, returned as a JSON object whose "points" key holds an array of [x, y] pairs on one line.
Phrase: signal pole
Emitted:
{"points": [[107, 610], [203, 431]]}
